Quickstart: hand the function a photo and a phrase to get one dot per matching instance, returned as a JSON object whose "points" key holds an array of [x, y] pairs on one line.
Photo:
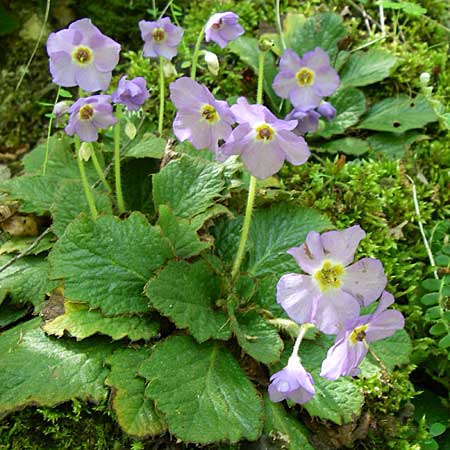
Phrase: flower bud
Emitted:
{"points": [[424, 78], [61, 108], [265, 44], [212, 62], [86, 150], [130, 130]]}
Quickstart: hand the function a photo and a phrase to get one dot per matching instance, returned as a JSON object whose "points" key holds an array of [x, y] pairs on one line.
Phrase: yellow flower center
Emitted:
{"points": [[86, 112], [305, 77], [82, 55], [209, 114], [159, 34], [358, 334], [329, 276], [264, 133]]}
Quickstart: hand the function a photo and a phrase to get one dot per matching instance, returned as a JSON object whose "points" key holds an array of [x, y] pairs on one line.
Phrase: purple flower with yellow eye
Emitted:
{"points": [[222, 28], [263, 141], [200, 119], [89, 114], [335, 289], [131, 93], [161, 38], [304, 81], [82, 56], [308, 121], [293, 383], [352, 343]]}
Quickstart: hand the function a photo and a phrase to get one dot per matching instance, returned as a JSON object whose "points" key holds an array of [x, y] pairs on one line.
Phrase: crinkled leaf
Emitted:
{"points": [[257, 337], [11, 312], [182, 235], [215, 210], [107, 263], [348, 145], [149, 146], [283, 428], [42, 370], [399, 114], [274, 231], [266, 295], [70, 201], [247, 49], [81, 322], [350, 105], [363, 68], [26, 280], [203, 392], [135, 413], [394, 145], [19, 244], [186, 293], [226, 234], [188, 185]]}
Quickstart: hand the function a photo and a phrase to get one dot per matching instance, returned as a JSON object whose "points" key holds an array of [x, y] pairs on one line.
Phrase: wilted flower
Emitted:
{"points": [[308, 121], [263, 141], [161, 38], [292, 382], [89, 114], [327, 110], [351, 344], [82, 56], [334, 290], [304, 81], [201, 119], [131, 93], [222, 28]]}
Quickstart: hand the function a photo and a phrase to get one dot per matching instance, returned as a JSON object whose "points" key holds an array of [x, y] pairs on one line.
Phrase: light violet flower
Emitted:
{"points": [[351, 344], [335, 289], [200, 119], [131, 93], [89, 114], [308, 121], [263, 141], [161, 38], [304, 81], [327, 110], [292, 382], [82, 56], [61, 108], [222, 28]]}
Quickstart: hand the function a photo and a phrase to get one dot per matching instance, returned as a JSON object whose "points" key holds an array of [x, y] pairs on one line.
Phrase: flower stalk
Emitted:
{"points": [[49, 132], [100, 171], [119, 195], [196, 53], [161, 96]]}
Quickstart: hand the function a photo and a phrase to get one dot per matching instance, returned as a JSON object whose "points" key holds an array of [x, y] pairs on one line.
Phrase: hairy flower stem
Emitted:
{"points": [[84, 180], [301, 334], [49, 132], [120, 203], [100, 171], [161, 96], [196, 52], [252, 186]]}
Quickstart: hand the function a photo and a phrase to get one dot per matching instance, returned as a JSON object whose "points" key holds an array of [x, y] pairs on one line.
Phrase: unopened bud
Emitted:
{"points": [[86, 150], [130, 130], [169, 70], [61, 108], [212, 62], [265, 44], [424, 78]]}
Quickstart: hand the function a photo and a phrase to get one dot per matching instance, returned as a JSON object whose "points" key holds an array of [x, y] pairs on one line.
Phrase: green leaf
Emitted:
{"points": [[107, 263], [363, 68], [399, 114], [81, 322], [432, 298], [227, 234], [135, 413], [437, 429], [203, 392], [350, 105], [412, 9], [18, 244], [36, 369], [26, 280], [70, 201], [348, 145], [438, 329], [181, 234], [445, 342], [8, 23], [274, 231], [257, 337], [11, 312], [188, 185], [282, 427], [149, 146], [320, 30], [187, 293], [392, 351], [265, 295], [394, 145], [247, 49]]}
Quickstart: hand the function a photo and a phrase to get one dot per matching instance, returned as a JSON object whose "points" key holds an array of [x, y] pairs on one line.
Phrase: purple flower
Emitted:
{"points": [[304, 81], [334, 290], [61, 108], [292, 382], [308, 121], [327, 110], [131, 93], [222, 28], [351, 344], [82, 56], [161, 38], [89, 114], [201, 119], [263, 141]]}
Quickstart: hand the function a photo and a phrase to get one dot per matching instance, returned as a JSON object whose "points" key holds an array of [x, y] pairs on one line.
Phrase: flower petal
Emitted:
{"points": [[309, 256], [295, 147], [262, 159], [304, 97], [341, 245], [90, 79]]}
